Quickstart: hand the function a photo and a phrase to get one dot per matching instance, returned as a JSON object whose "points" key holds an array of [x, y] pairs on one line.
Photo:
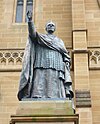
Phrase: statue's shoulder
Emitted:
{"points": [[60, 41], [42, 35]]}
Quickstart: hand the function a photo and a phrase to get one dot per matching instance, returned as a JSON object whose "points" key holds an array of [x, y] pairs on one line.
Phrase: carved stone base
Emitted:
{"points": [[44, 112]]}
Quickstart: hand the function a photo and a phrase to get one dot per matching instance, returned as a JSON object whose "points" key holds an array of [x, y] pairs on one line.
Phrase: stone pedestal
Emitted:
{"points": [[44, 112]]}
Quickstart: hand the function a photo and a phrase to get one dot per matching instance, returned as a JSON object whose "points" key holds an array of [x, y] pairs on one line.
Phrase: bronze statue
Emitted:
{"points": [[46, 66]]}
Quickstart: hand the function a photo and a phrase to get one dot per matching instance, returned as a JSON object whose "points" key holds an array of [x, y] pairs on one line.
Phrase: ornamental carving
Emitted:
{"points": [[94, 57], [11, 59]]}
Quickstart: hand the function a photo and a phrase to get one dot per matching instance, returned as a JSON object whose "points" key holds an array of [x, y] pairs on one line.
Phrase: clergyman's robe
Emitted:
{"points": [[45, 70]]}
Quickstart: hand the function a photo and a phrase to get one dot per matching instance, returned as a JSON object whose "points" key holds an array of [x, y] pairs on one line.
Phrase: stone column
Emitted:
{"points": [[80, 61], [80, 53]]}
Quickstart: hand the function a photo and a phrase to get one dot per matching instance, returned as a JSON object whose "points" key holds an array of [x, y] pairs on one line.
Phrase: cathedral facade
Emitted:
{"points": [[78, 25]]}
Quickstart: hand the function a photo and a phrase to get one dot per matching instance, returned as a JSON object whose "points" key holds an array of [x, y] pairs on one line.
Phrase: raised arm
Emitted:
{"points": [[31, 27]]}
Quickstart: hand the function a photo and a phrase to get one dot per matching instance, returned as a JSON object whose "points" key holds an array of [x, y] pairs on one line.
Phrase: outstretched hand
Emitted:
{"points": [[29, 15]]}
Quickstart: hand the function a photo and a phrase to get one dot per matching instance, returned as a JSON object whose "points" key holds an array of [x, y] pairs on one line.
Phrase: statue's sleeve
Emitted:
{"points": [[32, 30]]}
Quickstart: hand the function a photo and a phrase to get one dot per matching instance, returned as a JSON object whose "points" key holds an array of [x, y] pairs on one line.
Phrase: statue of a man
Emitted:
{"points": [[46, 65]]}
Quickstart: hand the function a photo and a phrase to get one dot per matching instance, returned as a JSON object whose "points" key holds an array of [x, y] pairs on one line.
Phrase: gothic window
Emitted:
{"points": [[29, 6], [19, 11], [22, 6]]}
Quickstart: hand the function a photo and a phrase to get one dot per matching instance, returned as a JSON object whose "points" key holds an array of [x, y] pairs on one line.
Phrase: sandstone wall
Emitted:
{"points": [[78, 25]]}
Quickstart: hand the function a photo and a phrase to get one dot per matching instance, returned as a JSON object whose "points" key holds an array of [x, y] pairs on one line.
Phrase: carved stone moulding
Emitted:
{"points": [[83, 98], [11, 59], [94, 59], [73, 119]]}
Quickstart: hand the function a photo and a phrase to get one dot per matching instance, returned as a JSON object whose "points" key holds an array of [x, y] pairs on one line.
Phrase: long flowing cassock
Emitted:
{"points": [[27, 73]]}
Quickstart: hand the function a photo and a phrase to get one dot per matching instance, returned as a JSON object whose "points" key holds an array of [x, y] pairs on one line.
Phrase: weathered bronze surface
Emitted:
{"points": [[46, 66]]}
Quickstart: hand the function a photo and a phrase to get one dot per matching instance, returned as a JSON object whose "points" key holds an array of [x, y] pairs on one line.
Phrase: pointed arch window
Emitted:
{"points": [[22, 6], [19, 11], [29, 6]]}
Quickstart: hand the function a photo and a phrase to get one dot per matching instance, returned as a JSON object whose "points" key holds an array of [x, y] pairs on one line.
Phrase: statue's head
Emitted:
{"points": [[50, 27]]}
